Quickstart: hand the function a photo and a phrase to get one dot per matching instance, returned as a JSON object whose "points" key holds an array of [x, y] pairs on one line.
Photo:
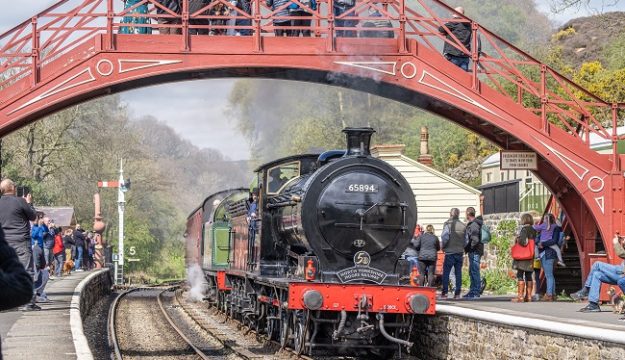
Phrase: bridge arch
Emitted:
{"points": [[411, 70]]}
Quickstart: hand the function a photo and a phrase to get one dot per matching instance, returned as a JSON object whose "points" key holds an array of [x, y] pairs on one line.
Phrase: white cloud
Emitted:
{"points": [[194, 109], [585, 8]]}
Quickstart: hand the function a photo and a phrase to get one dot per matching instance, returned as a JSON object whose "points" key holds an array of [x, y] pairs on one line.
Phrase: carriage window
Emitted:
{"points": [[279, 175]]}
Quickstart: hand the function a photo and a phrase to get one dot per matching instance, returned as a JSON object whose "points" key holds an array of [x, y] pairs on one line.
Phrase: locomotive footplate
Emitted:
{"points": [[349, 297]]}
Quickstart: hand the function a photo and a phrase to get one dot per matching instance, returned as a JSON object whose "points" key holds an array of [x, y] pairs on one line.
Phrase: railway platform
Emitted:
{"points": [[55, 331], [560, 316]]}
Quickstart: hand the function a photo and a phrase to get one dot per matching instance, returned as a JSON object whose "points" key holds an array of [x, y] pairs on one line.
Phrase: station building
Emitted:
{"points": [[435, 192], [507, 191]]}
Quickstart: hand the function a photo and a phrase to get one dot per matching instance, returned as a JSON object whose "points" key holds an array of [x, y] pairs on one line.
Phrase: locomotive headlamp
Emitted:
{"points": [[418, 303], [313, 300]]}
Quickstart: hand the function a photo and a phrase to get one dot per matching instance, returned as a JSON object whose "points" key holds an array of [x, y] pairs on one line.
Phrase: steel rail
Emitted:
{"points": [[199, 352], [112, 316], [112, 334], [226, 343]]}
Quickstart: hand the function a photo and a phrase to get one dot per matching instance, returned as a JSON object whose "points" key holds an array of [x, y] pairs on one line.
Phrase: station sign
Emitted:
{"points": [[518, 160]]}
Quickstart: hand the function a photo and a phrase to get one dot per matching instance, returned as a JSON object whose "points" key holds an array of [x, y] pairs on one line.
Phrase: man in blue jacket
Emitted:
{"points": [[475, 250]]}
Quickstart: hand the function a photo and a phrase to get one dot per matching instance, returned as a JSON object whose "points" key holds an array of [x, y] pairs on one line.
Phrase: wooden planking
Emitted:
{"points": [[435, 193]]}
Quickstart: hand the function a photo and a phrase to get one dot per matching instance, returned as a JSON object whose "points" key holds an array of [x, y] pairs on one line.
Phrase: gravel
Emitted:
{"points": [[95, 328]]}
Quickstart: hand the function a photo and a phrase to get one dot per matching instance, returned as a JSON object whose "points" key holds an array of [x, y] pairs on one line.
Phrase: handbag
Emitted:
{"points": [[520, 252]]}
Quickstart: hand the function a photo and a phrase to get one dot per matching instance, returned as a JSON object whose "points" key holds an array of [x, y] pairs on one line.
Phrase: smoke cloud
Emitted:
{"points": [[197, 281]]}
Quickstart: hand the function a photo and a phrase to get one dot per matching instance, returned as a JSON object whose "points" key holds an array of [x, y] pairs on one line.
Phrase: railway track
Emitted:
{"points": [[158, 322], [148, 323]]}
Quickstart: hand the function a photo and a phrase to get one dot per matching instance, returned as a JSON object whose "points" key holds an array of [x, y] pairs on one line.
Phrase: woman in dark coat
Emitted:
{"points": [[427, 245], [524, 268]]}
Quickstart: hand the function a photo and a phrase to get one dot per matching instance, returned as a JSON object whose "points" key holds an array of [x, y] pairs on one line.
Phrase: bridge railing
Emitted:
{"points": [[61, 31]]}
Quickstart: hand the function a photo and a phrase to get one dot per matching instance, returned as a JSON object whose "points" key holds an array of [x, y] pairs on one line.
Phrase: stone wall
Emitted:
{"points": [[455, 337], [95, 289]]}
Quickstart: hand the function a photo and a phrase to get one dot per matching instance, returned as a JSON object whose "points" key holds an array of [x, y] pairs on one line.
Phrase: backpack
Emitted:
{"points": [[485, 234]]}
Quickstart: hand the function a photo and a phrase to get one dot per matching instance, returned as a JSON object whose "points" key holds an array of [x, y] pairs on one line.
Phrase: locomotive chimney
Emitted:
{"points": [[358, 141]]}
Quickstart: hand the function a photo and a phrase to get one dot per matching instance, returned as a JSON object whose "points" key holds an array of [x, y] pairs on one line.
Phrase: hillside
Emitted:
{"points": [[586, 39]]}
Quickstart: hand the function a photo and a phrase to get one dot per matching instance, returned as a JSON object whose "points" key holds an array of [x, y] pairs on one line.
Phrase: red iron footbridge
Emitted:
{"points": [[74, 51]]}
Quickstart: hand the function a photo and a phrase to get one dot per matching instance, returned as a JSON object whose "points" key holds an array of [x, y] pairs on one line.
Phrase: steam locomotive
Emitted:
{"points": [[311, 255]]}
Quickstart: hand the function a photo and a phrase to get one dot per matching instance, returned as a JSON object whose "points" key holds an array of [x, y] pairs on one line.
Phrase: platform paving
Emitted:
{"points": [[559, 311], [44, 334]]}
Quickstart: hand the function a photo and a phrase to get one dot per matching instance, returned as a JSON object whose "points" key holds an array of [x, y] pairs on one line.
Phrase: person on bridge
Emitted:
{"points": [[281, 12], [524, 268], [474, 249], [172, 6], [461, 30], [341, 7], [15, 216], [378, 24], [602, 273], [453, 244], [135, 16], [302, 24]]}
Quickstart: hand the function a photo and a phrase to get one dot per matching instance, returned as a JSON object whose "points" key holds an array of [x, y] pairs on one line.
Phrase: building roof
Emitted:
{"points": [[62, 216], [596, 142], [395, 151]]}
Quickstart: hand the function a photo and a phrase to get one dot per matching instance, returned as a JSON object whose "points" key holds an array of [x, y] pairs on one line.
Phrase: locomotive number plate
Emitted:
{"points": [[362, 188]]}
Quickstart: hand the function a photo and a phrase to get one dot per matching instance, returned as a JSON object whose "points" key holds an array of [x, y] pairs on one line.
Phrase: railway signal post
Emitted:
{"points": [[122, 186]]}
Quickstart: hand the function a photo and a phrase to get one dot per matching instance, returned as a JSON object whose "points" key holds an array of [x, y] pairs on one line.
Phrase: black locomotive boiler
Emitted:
{"points": [[314, 260]]}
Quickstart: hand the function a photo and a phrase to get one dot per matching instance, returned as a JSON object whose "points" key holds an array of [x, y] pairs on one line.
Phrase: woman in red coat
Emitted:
{"points": [[59, 254]]}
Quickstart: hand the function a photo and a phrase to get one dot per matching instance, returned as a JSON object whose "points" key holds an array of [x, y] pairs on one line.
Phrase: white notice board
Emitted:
{"points": [[518, 160]]}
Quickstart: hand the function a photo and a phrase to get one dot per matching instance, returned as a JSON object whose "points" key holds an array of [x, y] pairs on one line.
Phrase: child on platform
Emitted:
{"points": [[548, 229]]}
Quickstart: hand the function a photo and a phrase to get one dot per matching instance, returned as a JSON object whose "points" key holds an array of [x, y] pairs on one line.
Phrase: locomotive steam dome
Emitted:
{"points": [[358, 203]]}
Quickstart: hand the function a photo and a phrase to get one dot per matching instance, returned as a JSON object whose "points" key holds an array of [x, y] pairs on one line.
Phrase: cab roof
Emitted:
{"points": [[286, 159]]}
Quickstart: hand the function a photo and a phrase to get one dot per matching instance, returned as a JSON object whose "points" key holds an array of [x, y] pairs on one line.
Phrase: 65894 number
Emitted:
{"points": [[363, 188]]}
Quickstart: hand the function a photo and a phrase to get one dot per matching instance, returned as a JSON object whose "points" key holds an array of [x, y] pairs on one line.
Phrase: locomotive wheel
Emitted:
{"points": [[285, 333], [300, 331]]}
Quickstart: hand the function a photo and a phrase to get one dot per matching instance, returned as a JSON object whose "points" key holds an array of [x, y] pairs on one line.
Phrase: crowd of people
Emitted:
{"points": [[290, 18], [45, 250], [459, 239]]}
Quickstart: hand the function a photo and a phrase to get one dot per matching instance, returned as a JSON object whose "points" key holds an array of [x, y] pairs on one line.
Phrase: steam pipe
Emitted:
{"points": [[389, 337], [339, 331]]}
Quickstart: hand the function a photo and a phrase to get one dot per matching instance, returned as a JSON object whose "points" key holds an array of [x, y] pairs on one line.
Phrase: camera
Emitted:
{"points": [[22, 191]]}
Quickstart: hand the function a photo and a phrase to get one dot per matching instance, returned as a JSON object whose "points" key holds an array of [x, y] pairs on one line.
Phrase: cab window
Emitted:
{"points": [[279, 175]]}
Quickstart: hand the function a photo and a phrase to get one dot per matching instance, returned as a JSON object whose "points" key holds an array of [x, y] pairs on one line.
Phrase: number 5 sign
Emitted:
{"points": [[132, 251]]}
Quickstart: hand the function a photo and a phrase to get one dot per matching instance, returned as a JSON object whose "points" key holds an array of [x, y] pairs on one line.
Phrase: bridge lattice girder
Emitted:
{"points": [[73, 51]]}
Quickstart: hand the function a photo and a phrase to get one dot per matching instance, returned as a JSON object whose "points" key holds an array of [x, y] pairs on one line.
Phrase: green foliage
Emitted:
{"points": [[563, 34], [614, 53], [498, 279], [62, 157]]}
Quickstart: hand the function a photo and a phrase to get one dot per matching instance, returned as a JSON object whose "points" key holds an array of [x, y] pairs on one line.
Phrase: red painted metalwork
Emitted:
{"points": [[222, 283], [72, 52], [386, 299]]}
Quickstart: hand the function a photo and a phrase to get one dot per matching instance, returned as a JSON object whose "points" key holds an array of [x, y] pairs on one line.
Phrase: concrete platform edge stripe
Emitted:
{"points": [[581, 331], [75, 320]]}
